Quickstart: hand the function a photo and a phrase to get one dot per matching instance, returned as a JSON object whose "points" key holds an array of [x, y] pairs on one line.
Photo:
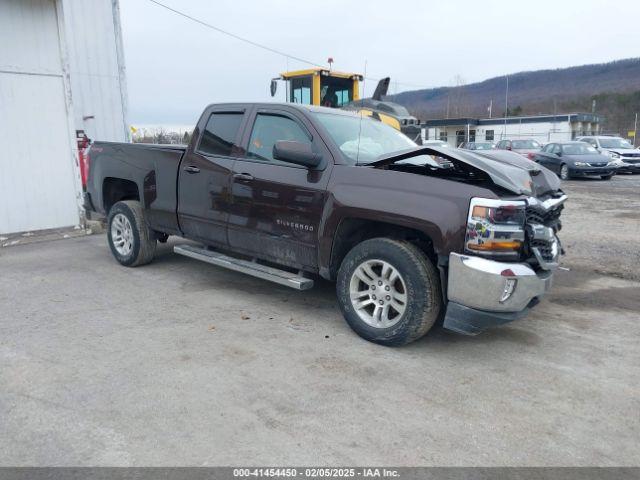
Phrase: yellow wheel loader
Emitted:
{"points": [[328, 88]]}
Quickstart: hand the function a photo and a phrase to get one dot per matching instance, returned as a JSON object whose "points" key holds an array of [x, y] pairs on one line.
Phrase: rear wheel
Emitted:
{"points": [[389, 291], [131, 241], [564, 172]]}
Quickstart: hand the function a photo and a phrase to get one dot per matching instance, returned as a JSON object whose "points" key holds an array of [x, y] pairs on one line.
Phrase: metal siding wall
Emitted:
{"points": [[37, 177], [29, 37], [92, 37]]}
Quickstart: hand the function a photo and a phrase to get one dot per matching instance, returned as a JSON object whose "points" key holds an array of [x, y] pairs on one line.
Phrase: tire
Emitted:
{"points": [[606, 177], [131, 241], [417, 277], [564, 172]]}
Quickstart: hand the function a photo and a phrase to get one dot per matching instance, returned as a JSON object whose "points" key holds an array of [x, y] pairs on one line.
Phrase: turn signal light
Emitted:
{"points": [[509, 246]]}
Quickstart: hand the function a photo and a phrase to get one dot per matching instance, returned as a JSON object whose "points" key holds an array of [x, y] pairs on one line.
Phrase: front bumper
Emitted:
{"points": [[592, 171], [629, 166], [476, 291]]}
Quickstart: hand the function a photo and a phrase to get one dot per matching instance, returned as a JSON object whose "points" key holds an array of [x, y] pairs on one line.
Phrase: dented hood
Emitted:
{"points": [[508, 170]]}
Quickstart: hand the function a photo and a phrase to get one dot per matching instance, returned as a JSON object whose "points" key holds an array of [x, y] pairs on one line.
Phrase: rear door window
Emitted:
{"points": [[220, 135]]}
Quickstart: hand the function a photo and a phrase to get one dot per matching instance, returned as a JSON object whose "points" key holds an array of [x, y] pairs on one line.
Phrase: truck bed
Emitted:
{"points": [[151, 169]]}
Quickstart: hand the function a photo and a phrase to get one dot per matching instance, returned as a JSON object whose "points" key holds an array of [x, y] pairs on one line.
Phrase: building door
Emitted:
{"points": [[460, 137], [39, 179]]}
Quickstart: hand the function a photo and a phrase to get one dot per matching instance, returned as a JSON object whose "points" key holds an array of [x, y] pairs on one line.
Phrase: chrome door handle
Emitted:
{"points": [[242, 176], [191, 169]]}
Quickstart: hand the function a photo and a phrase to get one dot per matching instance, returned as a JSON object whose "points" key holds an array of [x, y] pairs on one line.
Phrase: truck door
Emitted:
{"points": [[204, 178], [276, 206]]}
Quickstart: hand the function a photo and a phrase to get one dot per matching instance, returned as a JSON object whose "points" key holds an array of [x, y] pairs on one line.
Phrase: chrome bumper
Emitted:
{"points": [[483, 293]]}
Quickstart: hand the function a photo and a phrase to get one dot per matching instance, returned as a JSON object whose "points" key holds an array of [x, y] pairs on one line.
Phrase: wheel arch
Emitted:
{"points": [[115, 190], [351, 231]]}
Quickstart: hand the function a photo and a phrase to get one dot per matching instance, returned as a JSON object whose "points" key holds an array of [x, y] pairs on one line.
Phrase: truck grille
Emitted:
{"points": [[542, 243], [544, 248], [550, 218]]}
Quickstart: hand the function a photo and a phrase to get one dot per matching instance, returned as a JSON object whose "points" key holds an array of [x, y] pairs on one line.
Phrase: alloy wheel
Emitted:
{"points": [[378, 293], [122, 234]]}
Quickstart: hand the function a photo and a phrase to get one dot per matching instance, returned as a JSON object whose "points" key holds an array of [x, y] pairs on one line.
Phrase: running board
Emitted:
{"points": [[254, 269]]}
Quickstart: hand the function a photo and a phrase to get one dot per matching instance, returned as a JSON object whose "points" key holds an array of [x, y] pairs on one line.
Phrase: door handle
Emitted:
{"points": [[191, 169], [242, 176]]}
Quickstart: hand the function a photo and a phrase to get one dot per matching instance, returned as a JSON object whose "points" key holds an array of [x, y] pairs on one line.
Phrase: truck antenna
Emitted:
{"points": [[364, 85]]}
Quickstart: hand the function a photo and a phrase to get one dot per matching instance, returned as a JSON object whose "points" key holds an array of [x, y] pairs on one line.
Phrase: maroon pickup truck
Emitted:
{"points": [[411, 235]]}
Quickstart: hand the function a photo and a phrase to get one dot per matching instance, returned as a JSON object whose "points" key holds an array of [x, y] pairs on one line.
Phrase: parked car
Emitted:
{"points": [[476, 146], [284, 192], [528, 148], [625, 155], [576, 159]]}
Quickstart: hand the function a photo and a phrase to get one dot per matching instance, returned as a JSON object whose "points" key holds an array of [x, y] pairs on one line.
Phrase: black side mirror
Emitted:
{"points": [[296, 152], [273, 88], [559, 153]]}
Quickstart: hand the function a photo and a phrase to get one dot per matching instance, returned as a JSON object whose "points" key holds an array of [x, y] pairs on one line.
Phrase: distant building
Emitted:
{"points": [[61, 72], [543, 128]]}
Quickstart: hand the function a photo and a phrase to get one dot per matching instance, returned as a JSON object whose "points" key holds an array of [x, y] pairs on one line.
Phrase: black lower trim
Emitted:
{"points": [[470, 321]]}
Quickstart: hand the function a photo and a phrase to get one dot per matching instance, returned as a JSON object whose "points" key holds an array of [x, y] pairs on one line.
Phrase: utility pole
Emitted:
{"points": [[635, 130]]}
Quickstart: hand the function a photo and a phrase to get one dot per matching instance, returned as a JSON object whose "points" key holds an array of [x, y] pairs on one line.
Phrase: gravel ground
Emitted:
{"points": [[182, 363], [602, 226]]}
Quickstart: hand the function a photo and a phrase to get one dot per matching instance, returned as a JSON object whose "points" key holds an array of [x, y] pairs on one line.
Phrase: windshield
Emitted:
{"points": [[615, 143], [375, 137], [578, 149], [480, 146], [524, 144]]}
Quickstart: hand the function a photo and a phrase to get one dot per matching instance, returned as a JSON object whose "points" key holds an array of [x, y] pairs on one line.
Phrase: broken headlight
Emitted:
{"points": [[495, 228]]}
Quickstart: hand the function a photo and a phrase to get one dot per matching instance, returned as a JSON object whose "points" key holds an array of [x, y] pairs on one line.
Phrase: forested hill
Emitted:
{"points": [[615, 86]]}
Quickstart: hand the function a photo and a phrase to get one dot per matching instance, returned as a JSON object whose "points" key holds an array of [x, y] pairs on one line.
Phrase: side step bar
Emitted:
{"points": [[275, 275]]}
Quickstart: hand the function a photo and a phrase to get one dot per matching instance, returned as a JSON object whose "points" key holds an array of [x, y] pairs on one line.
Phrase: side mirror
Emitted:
{"points": [[296, 152], [559, 153], [508, 147], [273, 87]]}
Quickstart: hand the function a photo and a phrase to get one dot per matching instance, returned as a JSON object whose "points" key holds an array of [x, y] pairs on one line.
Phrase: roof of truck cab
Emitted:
{"points": [[297, 106]]}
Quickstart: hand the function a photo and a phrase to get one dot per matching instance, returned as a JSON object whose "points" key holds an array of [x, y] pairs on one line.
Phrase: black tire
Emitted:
{"points": [[143, 245], [565, 173], [424, 300], [606, 177]]}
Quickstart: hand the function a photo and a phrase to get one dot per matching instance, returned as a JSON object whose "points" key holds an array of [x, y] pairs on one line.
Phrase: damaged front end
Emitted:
{"points": [[508, 263], [511, 246]]}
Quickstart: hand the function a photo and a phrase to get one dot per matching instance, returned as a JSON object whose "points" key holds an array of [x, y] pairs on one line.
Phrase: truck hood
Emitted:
{"points": [[508, 170]]}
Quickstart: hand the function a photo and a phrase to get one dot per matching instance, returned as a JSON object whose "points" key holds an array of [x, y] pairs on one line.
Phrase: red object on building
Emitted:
{"points": [[83, 143]]}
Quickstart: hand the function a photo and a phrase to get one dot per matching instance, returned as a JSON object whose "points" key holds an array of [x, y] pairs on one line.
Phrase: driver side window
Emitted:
{"points": [[267, 130]]}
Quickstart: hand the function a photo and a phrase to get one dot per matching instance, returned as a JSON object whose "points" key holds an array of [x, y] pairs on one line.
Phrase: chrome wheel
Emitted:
{"points": [[564, 172], [122, 234], [378, 293]]}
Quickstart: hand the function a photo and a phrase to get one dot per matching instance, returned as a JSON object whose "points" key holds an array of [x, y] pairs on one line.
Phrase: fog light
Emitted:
{"points": [[509, 288]]}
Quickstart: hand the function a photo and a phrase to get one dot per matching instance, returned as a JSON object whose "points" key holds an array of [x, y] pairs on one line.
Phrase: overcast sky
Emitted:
{"points": [[175, 67]]}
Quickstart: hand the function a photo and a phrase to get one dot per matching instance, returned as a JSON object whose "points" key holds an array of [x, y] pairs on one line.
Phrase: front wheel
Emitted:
{"points": [[606, 177], [564, 172], [389, 291], [131, 241]]}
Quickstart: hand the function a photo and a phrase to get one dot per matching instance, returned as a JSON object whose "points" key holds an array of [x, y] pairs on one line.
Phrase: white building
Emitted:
{"points": [[61, 70], [543, 128]]}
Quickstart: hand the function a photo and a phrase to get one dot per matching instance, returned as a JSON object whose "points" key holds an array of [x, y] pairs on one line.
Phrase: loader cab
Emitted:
{"points": [[320, 87]]}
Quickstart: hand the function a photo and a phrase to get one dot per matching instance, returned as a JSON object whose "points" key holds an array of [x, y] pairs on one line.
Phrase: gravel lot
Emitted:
{"points": [[182, 363]]}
